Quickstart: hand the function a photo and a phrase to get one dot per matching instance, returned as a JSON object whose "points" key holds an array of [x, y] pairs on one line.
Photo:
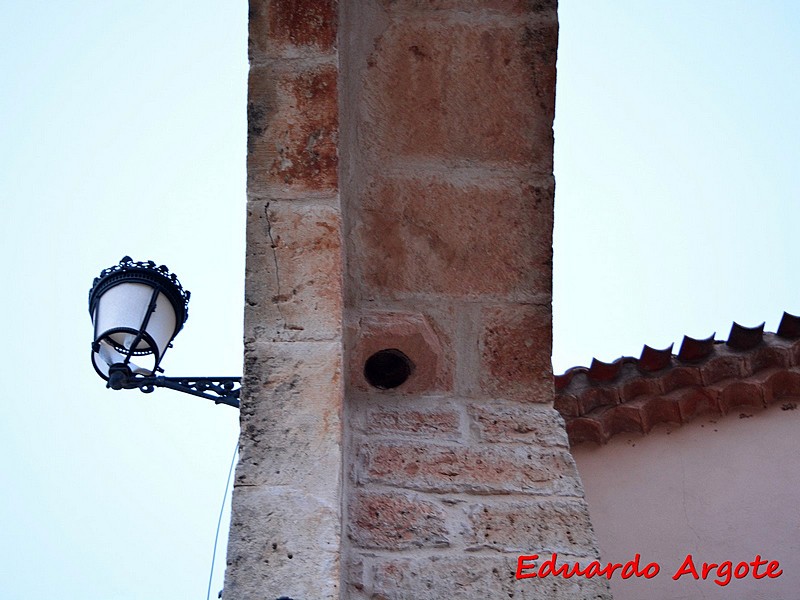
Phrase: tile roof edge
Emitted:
{"points": [[630, 394]]}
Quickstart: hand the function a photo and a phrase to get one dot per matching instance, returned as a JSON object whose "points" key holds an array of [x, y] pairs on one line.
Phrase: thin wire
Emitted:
{"points": [[219, 522]]}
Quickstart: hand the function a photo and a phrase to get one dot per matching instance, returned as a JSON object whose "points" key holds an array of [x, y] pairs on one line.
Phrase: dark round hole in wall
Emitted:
{"points": [[387, 369]]}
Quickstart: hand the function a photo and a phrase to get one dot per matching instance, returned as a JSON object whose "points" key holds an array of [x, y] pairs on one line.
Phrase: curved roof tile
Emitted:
{"points": [[751, 368]]}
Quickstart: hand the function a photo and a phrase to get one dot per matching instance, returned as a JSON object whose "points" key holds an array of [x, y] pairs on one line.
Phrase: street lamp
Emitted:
{"points": [[137, 309]]}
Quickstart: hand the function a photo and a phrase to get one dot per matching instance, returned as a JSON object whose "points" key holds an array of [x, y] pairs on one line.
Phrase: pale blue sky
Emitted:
{"points": [[677, 182], [122, 131]]}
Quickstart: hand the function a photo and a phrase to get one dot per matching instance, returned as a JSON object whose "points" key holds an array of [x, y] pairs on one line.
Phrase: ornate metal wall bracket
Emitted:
{"points": [[220, 390]]}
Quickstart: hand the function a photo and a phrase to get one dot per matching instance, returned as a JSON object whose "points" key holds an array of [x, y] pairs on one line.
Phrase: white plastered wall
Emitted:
{"points": [[717, 488]]}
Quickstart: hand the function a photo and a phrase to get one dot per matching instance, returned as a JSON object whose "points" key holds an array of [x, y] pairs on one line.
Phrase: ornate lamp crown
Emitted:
{"points": [[147, 272]]}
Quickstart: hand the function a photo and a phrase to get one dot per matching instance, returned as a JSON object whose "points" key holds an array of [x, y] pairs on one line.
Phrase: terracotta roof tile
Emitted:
{"points": [[653, 360], [693, 350], [789, 327], [751, 368], [745, 338]]}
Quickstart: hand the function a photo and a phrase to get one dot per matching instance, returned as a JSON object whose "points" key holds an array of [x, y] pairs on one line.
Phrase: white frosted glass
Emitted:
{"points": [[123, 305]]}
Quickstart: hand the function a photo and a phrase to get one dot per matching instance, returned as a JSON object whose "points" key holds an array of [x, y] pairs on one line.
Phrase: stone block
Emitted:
{"points": [[471, 91], [294, 272], [419, 337], [396, 521], [469, 578], [429, 235], [514, 422], [291, 416], [278, 532], [516, 347], [291, 28], [495, 469], [543, 526], [293, 130], [431, 423]]}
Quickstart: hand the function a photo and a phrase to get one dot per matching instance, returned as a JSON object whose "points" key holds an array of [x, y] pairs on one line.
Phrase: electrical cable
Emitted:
{"points": [[219, 522]]}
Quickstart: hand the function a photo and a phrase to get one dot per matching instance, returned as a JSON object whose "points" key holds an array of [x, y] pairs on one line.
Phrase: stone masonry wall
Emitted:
{"points": [[286, 510], [447, 188], [398, 435]]}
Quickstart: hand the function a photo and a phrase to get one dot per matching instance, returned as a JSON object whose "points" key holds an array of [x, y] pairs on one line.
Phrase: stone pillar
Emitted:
{"points": [[447, 189], [398, 433], [286, 516]]}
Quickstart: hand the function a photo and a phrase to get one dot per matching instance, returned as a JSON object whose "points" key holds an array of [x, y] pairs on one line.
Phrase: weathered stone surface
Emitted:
{"points": [[265, 544], [294, 272], [292, 28], [417, 336], [291, 416], [431, 235], [470, 92], [506, 7], [495, 469], [469, 578], [517, 342], [415, 422], [541, 527], [446, 112], [394, 521], [293, 130], [513, 422]]}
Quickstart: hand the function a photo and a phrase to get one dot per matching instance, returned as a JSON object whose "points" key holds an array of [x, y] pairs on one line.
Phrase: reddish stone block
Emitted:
{"points": [[293, 272], [417, 336], [396, 522], [552, 526], [438, 424], [516, 347], [293, 129], [427, 235], [518, 423], [464, 577], [284, 26], [469, 92], [490, 469]]}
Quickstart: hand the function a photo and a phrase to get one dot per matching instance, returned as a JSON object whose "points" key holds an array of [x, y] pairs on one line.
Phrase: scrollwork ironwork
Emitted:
{"points": [[220, 390]]}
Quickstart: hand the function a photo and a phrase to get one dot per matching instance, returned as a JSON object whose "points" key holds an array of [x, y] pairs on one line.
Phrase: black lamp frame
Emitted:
{"points": [[220, 390]]}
